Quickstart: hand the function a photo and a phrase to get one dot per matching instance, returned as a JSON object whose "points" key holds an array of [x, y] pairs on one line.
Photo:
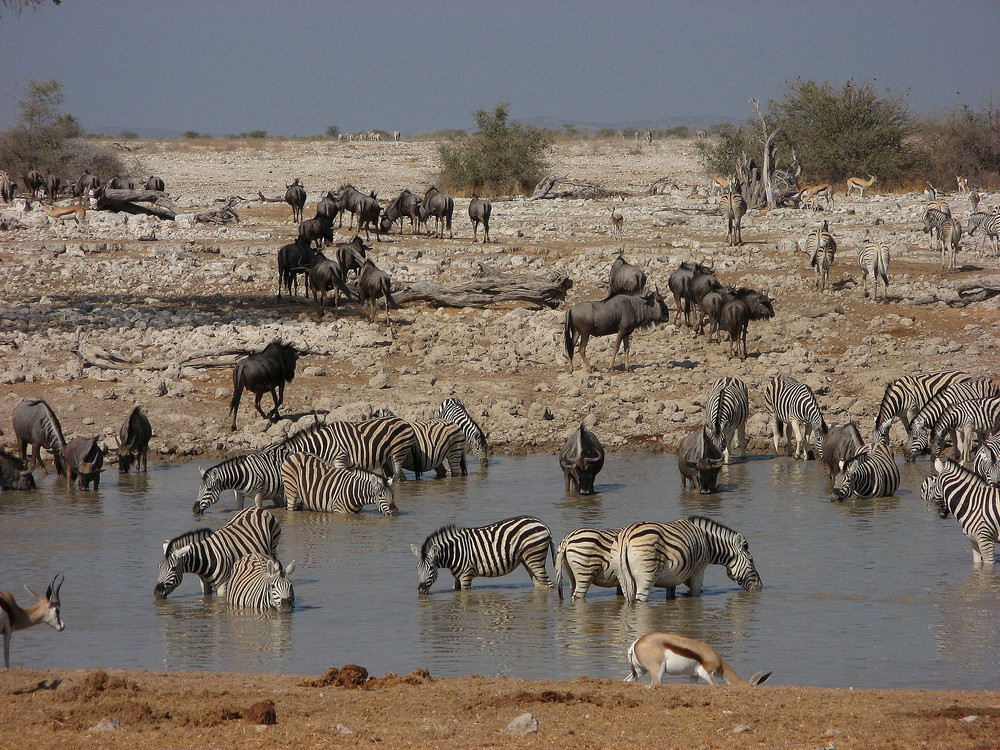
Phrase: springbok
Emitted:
{"points": [[719, 185], [659, 654], [811, 192], [963, 183], [59, 213], [617, 221], [14, 617], [856, 183]]}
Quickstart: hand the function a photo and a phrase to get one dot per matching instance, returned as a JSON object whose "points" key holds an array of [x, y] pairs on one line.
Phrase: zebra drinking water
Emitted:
{"points": [[987, 461], [976, 506], [967, 420], [904, 397], [256, 474], [313, 484], [792, 406], [585, 555], [871, 472], [726, 413], [923, 424], [438, 446], [453, 410], [261, 582]]}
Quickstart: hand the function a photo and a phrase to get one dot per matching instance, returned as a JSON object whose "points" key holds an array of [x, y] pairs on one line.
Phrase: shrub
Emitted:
{"points": [[501, 157], [719, 156], [964, 142], [333, 132]]}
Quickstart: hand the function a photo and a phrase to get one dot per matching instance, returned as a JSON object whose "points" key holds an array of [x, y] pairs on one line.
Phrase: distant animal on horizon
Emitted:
{"points": [[295, 196], [660, 654], [263, 372], [14, 617], [621, 314]]}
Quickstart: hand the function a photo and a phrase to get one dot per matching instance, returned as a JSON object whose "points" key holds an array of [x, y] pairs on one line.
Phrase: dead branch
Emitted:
{"points": [[494, 288], [270, 200], [223, 215]]}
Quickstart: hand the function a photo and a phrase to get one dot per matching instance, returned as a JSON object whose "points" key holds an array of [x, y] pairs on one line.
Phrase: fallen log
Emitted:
{"points": [[223, 215], [563, 187], [539, 291], [270, 200], [133, 202], [976, 290]]}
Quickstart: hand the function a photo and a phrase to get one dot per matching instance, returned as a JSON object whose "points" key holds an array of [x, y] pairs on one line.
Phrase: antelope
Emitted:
{"points": [[617, 221], [823, 190], [719, 185], [974, 200], [856, 183], [963, 183], [14, 617], [666, 653], [59, 213]]}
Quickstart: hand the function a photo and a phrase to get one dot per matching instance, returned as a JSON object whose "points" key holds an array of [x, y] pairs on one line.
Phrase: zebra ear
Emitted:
{"points": [[166, 544], [290, 568], [273, 567], [415, 549], [201, 471], [388, 482], [938, 464]]}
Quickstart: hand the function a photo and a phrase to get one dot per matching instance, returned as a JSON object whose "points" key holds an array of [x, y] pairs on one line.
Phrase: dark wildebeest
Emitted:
{"points": [[293, 259], [14, 475], [680, 284], [328, 207], [120, 183], [33, 182], [625, 278], [133, 441], [295, 196], [326, 274], [404, 204], [350, 199], [372, 284], [264, 372], [581, 459], [479, 212], [699, 460], [351, 255], [155, 183], [84, 462], [842, 441], [85, 184], [35, 424], [316, 230], [53, 183], [441, 207], [622, 314], [711, 309], [368, 213], [7, 188], [701, 286], [736, 315]]}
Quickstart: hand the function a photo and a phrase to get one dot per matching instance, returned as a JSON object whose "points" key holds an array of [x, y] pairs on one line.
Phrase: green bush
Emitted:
{"points": [[964, 142], [719, 156], [501, 157]]}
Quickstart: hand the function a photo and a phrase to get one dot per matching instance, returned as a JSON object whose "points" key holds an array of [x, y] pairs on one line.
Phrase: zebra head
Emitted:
{"points": [[169, 573], [385, 498], [919, 441], [930, 491], [209, 492], [843, 485], [730, 548], [427, 570], [280, 593]]}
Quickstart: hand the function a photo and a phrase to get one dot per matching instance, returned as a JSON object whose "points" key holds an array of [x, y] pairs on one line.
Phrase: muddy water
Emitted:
{"points": [[865, 594]]}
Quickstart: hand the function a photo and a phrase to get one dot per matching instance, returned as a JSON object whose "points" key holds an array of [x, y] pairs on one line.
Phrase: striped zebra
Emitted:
{"points": [[211, 554], [871, 472], [668, 554], [726, 413], [255, 474], [873, 257], [312, 484], [951, 238], [975, 504], [990, 226], [904, 397], [375, 445], [487, 551], [792, 406], [454, 410], [922, 426], [934, 217], [733, 207], [987, 461], [438, 446], [967, 421], [585, 556], [261, 582], [821, 248]]}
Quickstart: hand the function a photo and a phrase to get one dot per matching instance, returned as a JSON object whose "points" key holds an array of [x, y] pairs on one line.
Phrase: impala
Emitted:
{"points": [[822, 190]]}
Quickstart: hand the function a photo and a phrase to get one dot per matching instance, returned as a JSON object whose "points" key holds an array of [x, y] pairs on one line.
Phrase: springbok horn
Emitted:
{"points": [[57, 583]]}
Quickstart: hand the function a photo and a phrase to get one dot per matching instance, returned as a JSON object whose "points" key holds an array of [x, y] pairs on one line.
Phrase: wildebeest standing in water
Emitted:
{"points": [[581, 459], [479, 212], [293, 259], [84, 462], [14, 475], [295, 196], [699, 460], [622, 314], [625, 278], [35, 424], [372, 284], [133, 441], [264, 372]]}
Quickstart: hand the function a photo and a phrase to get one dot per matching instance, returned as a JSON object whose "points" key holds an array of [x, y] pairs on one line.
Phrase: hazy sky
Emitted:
{"points": [[296, 67]]}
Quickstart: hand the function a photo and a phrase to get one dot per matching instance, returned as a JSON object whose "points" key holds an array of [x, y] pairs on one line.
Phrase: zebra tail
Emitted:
{"points": [[558, 563], [568, 332], [625, 577]]}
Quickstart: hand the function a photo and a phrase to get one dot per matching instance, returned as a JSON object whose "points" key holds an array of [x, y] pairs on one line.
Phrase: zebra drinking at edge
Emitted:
{"points": [[871, 472], [726, 413], [792, 406], [488, 551], [873, 257], [453, 410], [922, 426], [312, 484], [667, 554], [987, 461], [256, 474], [904, 397], [585, 555], [976, 506], [211, 554], [261, 582], [967, 420], [438, 446]]}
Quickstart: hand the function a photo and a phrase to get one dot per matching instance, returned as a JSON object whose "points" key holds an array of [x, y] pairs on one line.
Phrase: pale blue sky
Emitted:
{"points": [[295, 67]]}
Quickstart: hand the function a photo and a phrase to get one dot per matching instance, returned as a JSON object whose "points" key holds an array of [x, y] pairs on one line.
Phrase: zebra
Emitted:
{"points": [[871, 472], [873, 257], [967, 420], [990, 226], [951, 238], [726, 413], [376, 445], [733, 207], [211, 554], [904, 397], [975, 504], [256, 474], [436, 443], [453, 410], [923, 425], [792, 406], [987, 461], [261, 582], [313, 484], [667, 554], [585, 555], [489, 551], [821, 248], [930, 492], [934, 217]]}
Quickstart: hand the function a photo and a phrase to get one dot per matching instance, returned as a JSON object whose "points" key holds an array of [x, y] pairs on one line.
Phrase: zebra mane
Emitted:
{"points": [[293, 441], [445, 533], [185, 539], [961, 470], [711, 523]]}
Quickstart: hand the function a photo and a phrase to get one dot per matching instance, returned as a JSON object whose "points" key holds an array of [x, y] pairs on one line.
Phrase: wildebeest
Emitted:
{"points": [[439, 205], [14, 475], [85, 184], [625, 278], [328, 207], [372, 284], [680, 284], [622, 314], [120, 183], [350, 199], [33, 182], [711, 309], [351, 255], [316, 230], [326, 274], [35, 424], [295, 196], [368, 213], [263, 372], [479, 212], [84, 462], [406, 203], [133, 441], [699, 460], [155, 183], [746, 305], [53, 183], [293, 259], [842, 442], [581, 459]]}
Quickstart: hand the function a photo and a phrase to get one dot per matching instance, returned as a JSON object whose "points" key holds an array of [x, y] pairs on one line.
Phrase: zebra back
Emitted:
{"points": [[189, 537], [261, 582], [313, 484], [923, 426], [871, 472], [904, 398], [659, 554], [976, 506], [454, 410], [585, 556]]}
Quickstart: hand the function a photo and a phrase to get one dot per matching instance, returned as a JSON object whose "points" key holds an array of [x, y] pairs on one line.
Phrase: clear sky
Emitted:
{"points": [[298, 66]]}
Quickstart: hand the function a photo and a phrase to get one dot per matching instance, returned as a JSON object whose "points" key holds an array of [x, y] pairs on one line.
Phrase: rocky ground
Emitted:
{"points": [[157, 291]]}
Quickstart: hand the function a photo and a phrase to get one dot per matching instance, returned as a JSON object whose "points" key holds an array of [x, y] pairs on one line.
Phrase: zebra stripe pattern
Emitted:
{"points": [[792, 406], [376, 445], [821, 248], [486, 551], [726, 413], [951, 238], [990, 226], [904, 397], [934, 218], [967, 420], [585, 555], [453, 410], [873, 258], [438, 446], [256, 474], [667, 554], [733, 207], [261, 582], [923, 424], [312, 484], [872, 472], [976, 506], [211, 555], [987, 461]]}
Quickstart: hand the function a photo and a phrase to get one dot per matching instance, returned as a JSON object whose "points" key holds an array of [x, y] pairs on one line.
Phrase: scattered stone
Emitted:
{"points": [[344, 729], [523, 724], [106, 724]]}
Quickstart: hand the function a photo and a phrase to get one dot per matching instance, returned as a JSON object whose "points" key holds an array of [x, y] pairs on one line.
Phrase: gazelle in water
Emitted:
{"points": [[659, 654], [856, 183], [59, 213], [14, 617]]}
